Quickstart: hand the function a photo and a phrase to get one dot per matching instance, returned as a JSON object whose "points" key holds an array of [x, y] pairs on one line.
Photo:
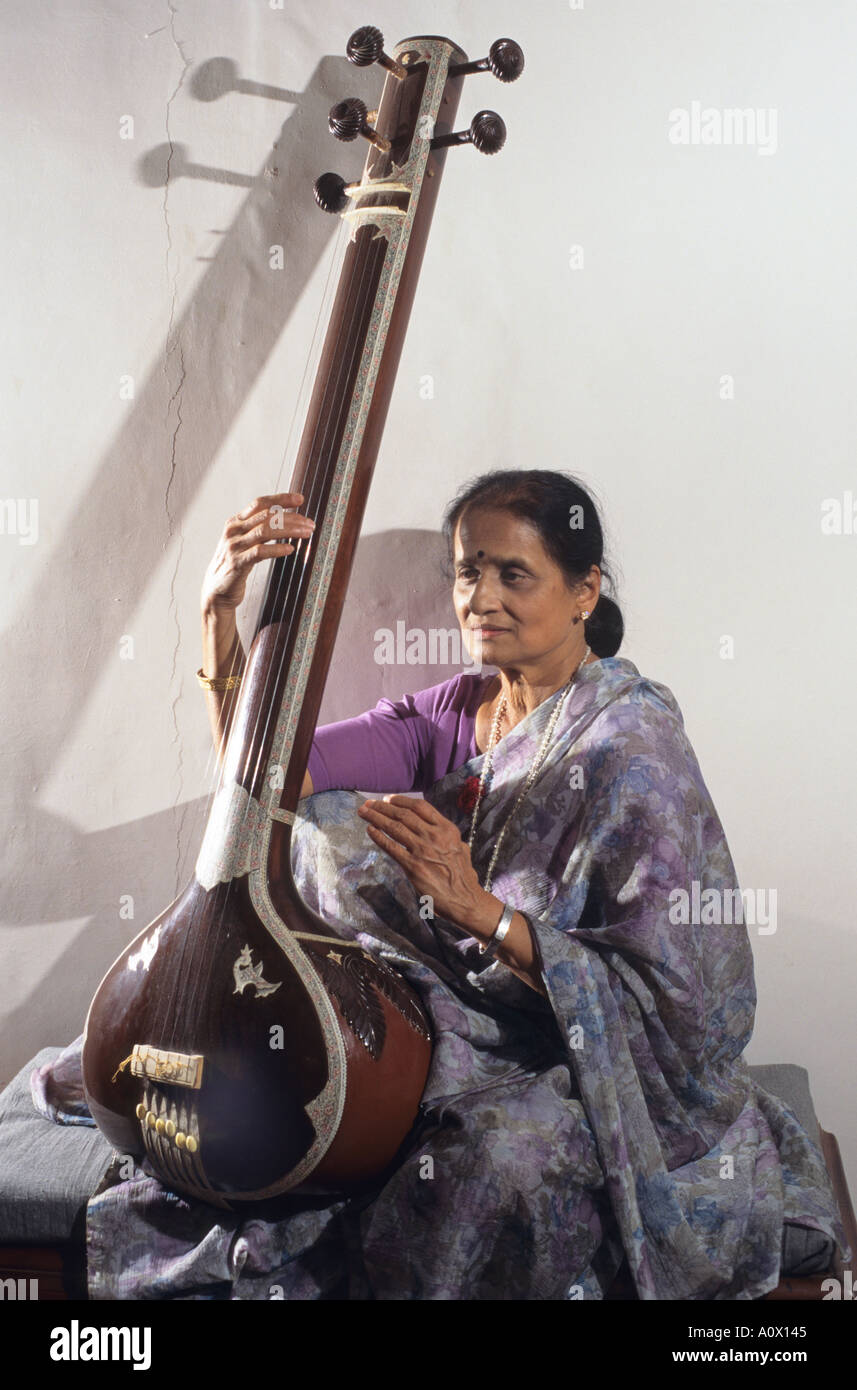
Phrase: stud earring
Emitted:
{"points": [[585, 614]]}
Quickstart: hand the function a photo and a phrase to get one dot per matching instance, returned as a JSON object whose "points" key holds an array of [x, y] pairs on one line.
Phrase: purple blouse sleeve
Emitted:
{"points": [[400, 745]]}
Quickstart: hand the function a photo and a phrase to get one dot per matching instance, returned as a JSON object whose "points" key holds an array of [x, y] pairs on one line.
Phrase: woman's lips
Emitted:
{"points": [[489, 631]]}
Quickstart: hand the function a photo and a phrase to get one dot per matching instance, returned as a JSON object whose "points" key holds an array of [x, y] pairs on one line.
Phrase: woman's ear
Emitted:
{"points": [[593, 588]]}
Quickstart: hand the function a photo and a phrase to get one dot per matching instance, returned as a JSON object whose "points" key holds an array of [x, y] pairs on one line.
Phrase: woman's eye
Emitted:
{"points": [[512, 576]]}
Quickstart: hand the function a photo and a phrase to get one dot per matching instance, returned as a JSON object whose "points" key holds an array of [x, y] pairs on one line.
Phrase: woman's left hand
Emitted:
{"points": [[431, 851]]}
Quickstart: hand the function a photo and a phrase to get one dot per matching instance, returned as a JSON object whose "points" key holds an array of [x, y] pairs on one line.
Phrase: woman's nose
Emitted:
{"points": [[483, 596]]}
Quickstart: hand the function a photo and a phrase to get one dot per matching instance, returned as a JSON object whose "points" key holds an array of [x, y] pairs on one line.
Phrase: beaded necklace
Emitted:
{"points": [[531, 776]]}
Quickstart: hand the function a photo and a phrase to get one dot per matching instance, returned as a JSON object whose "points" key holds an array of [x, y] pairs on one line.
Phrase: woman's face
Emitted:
{"points": [[511, 595]]}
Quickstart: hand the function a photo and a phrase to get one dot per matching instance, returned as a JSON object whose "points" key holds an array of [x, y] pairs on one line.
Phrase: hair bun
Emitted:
{"points": [[605, 628]]}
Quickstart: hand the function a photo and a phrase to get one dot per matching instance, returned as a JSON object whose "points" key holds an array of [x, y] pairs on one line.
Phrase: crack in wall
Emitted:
{"points": [[175, 401]]}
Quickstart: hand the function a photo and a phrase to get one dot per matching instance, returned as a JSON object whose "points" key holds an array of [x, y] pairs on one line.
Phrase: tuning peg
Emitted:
{"points": [[366, 46], [505, 59], [329, 192], [487, 133], [349, 118]]}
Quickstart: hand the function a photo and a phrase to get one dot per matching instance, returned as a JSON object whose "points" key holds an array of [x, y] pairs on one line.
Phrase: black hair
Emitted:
{"points": [[566, 518]]}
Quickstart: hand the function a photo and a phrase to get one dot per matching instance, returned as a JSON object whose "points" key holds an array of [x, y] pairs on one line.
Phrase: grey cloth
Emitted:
{"points": [[48, 1171]]}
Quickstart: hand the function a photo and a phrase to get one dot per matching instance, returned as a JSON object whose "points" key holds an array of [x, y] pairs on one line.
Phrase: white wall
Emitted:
{"points": [[699, 261]]}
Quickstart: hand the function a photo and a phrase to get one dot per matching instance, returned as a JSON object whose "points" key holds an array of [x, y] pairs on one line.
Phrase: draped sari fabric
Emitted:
{"points": [[613, 1116]]}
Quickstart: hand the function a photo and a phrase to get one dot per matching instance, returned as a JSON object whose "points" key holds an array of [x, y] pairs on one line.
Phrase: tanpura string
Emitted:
{"points": [[320, 468], [323, 467], [321, 476], [285, 576], [322, 318], [200, 976], [325, 470], [316, 486], [321, 322]]}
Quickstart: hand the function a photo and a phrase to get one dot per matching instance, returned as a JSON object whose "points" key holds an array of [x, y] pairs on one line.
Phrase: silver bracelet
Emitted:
{"points": [[500, 932]]}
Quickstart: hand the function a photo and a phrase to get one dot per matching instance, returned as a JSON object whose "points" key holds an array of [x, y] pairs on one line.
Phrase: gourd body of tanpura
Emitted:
{"points": [[266, 1058]]}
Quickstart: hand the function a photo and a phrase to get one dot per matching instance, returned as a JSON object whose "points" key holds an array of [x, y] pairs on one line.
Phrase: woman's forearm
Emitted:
{"points": [[518, 951], [222, 655], [264, 530]]}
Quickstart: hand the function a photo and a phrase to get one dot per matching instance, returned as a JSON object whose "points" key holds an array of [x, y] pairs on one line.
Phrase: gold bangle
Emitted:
{"points": [[217, 682]]}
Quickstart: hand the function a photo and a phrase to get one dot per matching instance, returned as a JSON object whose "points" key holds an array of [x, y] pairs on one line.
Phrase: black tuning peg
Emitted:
{"points": [[366, 46], [487, 133], [329, 192], [505, 59], [349, 118]]}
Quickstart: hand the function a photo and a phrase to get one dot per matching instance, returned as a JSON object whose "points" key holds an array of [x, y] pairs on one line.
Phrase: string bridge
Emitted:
{"points": [[174, 1068]]}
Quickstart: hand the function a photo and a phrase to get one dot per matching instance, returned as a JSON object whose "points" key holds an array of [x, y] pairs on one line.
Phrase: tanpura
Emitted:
{"points": [[238, 1042]]}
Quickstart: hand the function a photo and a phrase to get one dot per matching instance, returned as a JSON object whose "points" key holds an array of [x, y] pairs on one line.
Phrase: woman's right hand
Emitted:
{"points": [[261, 531]]}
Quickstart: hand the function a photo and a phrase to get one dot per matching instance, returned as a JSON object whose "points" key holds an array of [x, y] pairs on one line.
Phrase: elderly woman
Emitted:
{"points": [[527, 578], [587, 1103]]}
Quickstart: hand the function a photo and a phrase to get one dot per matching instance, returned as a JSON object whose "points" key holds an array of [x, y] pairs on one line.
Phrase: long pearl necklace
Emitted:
{"points": [[531, 776]]}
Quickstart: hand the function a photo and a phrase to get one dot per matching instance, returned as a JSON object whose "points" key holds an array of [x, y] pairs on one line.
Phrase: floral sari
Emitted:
{"points": [[613, 1117]]}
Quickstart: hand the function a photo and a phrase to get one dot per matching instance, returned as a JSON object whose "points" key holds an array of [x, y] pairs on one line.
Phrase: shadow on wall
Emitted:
{"points": [[131, 510], [398, 583], [399, 606]]}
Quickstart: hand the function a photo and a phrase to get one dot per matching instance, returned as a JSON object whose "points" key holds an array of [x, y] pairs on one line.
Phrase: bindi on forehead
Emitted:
{"points": [[464, 539], [501, 561]]}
